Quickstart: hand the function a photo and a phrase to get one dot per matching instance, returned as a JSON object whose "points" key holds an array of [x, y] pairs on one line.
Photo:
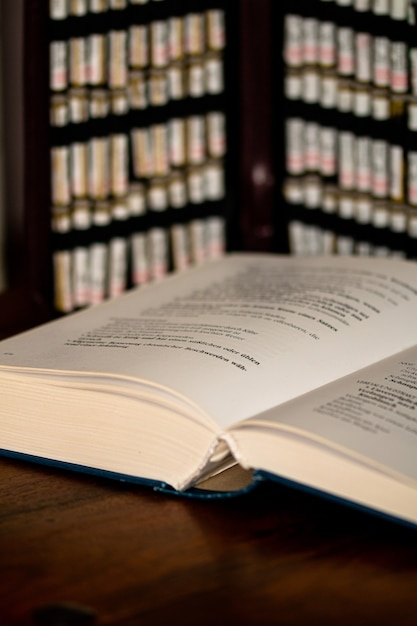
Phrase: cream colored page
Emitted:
{"points": [[242, 334], [370, 415]]}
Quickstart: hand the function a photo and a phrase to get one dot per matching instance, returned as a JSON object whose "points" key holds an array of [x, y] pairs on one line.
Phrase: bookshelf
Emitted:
{"points": [[320, 150], [30, 294], [24, 300], [349, 96], [141, 100]]}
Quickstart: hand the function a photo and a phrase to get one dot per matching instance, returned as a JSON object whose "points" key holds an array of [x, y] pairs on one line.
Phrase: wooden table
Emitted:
{"points": [[135, 557]]}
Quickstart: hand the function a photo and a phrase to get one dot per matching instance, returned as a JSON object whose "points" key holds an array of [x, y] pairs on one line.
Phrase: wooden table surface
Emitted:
{"points": [[77, 549]]}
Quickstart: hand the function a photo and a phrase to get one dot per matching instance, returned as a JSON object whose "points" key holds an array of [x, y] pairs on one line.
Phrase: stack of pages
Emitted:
{"points": [[298, 369]]}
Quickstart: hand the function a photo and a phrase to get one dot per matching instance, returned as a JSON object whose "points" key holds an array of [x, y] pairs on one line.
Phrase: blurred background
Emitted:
{"points": [[140, 137]]}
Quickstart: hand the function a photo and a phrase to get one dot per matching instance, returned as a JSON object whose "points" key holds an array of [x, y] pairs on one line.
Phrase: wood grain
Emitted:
{"points": [[135, 557]]}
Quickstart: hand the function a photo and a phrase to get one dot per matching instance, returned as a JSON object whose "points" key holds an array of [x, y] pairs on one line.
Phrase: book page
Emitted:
{"points": [[370, 416], [239, 335]]}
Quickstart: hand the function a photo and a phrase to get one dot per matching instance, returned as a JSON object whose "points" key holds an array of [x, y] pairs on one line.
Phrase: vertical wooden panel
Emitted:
{"points": [[256, 140], [36, 155]]}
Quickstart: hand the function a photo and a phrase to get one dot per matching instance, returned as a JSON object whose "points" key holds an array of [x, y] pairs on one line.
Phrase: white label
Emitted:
{"points": [[311, 146], [176, 82], [380, 106], [328, 92], [157, 197], [96, 64], [159, 43], [158, 253], [58, 9], [140, 265], [346, 160], [381, 65], [138, 46], [346, 207], [399, 9], [62, 261], [293, 191], [293, 85], [81, 276], [196, 79], [158, 88], [214, 181], [194, 33], [362, 103], [180, 248], [98, 6], [310, 40], [311, 85], [176, 142], [293, 40], [362, 5], [396, 173], [345, 246], [98, 272], [136, 200], [216, 133], [79, 169], [380, 7], [215, 235], [58, 78], [363, 210], [177, 192], [196, 148], [380, 173], [195, 185], [295, 146], [159, 134], [399, 69], [78, 61], [296, 237], [142, 152], [98, 168], [413, 70], [328, 151], [312, 192], [117, 77], [327, 44], [216, 31], [363, 57], [398, 221], [61, 192], [198, 241], [213, 67], [101, 214], [120, 209], [78, 7], [117, 266], [61, 220], [175, 38], [344, 97], [329, 199], [412, 226], [346, 51], [380, 216], [119, 164], [412, 178], [363, 164]]}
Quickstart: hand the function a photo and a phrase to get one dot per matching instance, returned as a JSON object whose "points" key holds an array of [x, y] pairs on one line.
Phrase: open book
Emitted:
{"points": [[303, 369]]}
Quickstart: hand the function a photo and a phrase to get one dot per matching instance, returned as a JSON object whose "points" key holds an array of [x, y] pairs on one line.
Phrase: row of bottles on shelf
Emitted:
{"points": [[138, 132], [350, 100]]}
